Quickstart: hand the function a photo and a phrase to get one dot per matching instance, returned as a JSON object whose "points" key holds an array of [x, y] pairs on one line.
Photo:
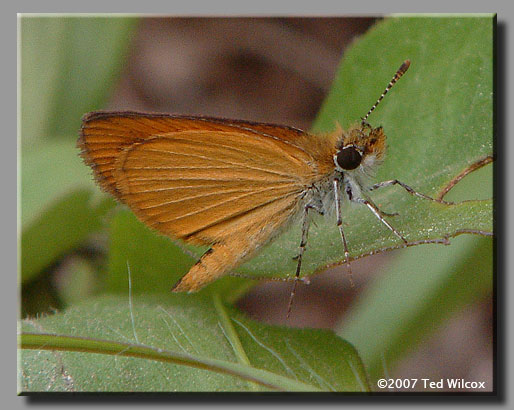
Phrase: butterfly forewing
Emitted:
{"points": [[198, 179]]}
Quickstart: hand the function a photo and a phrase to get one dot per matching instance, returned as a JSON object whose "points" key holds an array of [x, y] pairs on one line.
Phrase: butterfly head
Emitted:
{"points": [[360, 147]]}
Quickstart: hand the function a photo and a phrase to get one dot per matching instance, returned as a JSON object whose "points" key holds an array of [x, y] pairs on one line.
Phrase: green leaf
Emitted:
{"points": [[155, 262], [59, 203], [438, 120], [50, 171], [60, 229], [68, 66], [178, 343]]}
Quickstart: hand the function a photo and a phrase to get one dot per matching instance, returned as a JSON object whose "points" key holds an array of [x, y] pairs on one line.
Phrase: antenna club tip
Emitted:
{"points": [[405, 66]]}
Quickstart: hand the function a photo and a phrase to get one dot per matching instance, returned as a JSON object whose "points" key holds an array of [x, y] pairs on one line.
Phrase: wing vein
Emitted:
{"points": [[241, 164], [181, 187], [217, 179], [235, 149], [236, 215], [195, 212], [176, 201]]}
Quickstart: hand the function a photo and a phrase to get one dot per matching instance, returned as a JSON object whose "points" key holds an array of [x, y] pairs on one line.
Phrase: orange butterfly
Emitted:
{"points": [[230, 184]]}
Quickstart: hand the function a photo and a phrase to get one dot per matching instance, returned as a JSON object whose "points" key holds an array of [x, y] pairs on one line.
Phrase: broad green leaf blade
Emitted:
{"points": [[68, 65], [178, 343], [59, 204], [50, 171], [154, 260], [438, 120], [60, 229]]}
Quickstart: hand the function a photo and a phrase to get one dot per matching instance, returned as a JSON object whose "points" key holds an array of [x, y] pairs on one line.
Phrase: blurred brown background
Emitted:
{"points": [[279, 70]]}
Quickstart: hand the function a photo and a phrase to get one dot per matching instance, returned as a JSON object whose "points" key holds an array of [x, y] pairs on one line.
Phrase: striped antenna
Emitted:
{"points": [[401, 71]]}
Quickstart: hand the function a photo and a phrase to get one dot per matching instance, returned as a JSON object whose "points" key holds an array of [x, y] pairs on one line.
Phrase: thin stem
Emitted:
{"points": [[81, 344], [231, 334]]}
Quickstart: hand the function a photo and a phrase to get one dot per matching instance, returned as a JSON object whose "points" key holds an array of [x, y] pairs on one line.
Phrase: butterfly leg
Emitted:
{"points": [[340, 226], [408, 189], [378, 213], [303, 243]]}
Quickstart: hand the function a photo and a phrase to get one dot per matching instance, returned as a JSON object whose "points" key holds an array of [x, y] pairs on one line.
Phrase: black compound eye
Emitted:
{"points": [[349, 158]]}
